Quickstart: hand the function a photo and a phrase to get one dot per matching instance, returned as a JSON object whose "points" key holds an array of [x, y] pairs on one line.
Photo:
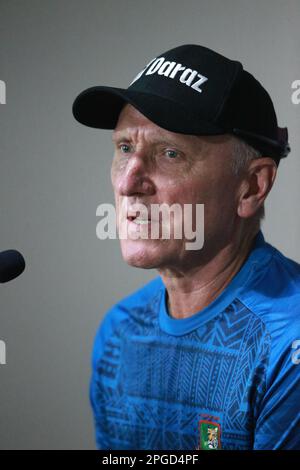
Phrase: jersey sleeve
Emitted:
{"points": [[95, 390], [278, 421]]}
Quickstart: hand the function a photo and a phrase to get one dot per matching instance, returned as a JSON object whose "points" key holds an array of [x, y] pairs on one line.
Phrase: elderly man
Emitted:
{"points": [[206, 355]]}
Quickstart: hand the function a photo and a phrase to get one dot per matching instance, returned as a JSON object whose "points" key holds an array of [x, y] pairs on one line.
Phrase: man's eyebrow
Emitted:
{"points": [[119, 136], [116, 136]]}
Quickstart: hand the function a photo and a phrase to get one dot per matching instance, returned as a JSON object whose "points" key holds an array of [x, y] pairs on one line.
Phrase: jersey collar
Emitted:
{"points": [[259, 257]]}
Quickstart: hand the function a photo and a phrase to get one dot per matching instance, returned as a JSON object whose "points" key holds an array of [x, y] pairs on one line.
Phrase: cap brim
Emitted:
{"points": [[100, 106]]}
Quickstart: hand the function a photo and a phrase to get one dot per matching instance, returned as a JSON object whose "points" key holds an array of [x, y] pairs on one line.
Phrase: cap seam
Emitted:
{"points": [[236, 76]]}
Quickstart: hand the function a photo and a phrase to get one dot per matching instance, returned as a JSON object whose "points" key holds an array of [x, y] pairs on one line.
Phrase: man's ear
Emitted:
{"points": [[256, 184]]}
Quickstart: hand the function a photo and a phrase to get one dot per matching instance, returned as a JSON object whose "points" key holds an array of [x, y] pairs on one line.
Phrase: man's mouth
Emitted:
{"points": [[138, 219]]}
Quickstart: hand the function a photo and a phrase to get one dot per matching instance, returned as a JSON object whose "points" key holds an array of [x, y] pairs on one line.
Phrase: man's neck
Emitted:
{"points": [[192, 291]]}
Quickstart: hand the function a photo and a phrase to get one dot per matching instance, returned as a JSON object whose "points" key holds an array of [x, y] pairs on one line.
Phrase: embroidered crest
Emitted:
{"points": [[210, 435]]}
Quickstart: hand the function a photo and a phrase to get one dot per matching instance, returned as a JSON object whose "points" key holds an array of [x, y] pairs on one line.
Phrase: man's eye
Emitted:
{"points": [[172, 153], [124, 148]]}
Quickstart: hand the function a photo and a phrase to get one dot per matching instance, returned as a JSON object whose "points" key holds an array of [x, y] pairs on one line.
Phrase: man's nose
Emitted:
{"points": [[136, 178]]}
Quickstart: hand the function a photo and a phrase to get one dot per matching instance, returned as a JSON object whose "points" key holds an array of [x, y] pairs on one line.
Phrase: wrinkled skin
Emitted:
{"points": [[152, 166]]}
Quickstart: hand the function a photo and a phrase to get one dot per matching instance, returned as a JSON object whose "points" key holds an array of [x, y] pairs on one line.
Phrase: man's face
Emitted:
{"points": [[153, 166]]}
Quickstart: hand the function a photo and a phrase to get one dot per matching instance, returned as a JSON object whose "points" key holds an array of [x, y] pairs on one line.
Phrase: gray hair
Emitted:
{"points": [[242, 154]]}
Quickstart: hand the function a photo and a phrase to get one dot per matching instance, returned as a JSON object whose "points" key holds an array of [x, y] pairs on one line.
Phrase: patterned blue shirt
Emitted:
{"points": [[226, 377]]}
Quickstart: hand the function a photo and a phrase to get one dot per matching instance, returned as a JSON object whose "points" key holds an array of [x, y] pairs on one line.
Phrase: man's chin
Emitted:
{"points": [[140, 262], [141, 256]]}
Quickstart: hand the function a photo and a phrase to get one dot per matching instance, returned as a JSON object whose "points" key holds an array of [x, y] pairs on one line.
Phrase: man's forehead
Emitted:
{"points": [[131, 121]]}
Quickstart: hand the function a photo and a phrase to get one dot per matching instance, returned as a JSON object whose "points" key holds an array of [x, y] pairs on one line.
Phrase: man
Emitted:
{"points": [[206, 355]]}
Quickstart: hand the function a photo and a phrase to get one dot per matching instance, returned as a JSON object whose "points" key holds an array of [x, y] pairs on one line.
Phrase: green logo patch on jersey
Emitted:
{"points": [[210, 435]]}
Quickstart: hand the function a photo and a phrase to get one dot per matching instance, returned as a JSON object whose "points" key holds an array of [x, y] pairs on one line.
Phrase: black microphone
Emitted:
{"points": [[12, 264]]}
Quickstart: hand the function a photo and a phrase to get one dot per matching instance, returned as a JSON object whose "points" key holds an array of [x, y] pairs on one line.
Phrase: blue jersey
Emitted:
{"points": [[227, 377]]}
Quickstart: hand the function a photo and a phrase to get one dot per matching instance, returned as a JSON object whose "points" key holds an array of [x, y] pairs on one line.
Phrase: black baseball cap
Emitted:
{"points": [[192, 90]]}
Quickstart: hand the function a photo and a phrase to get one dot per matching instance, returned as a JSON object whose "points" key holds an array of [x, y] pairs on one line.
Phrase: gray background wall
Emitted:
{"points": [[54, 173]]}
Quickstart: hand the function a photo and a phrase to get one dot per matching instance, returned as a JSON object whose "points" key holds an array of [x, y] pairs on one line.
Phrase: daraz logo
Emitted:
{"points": [[173, 70]]}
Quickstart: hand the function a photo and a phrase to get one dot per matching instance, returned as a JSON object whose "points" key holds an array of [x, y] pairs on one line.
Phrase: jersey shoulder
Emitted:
{"points": [[273, 294], [140, 305], [141, 299]]}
